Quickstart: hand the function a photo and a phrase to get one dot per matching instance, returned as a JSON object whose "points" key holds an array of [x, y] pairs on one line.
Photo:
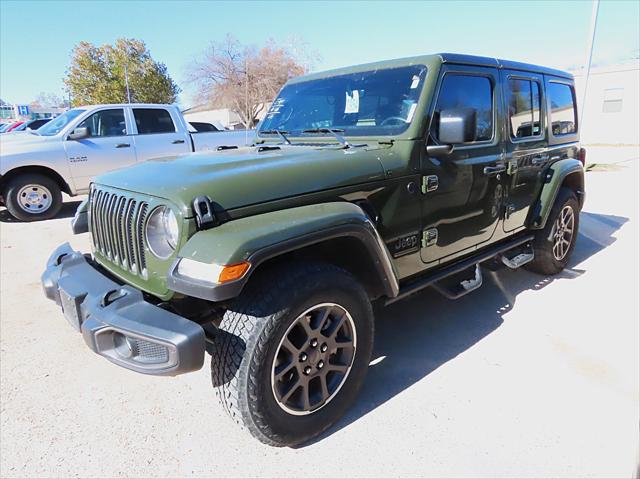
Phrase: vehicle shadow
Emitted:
{"points": [[416, 336], [67, 211]]}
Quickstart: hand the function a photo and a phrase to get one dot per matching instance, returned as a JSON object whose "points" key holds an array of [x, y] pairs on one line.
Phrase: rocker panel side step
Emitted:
{"points": [[519, 257], [518, 260], [463, 287], [430, 278]]}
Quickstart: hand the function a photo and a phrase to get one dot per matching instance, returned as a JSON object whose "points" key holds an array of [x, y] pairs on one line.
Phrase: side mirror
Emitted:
{"points": [[80, 134], [457, 125]]}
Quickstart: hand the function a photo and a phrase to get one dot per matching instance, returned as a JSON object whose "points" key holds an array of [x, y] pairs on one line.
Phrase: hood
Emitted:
{"points": [[247, 176], [22, 138]]}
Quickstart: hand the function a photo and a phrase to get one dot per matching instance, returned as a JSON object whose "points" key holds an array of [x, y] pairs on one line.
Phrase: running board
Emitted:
{"points": [[519, 256], [431, 278], [463, 287], [518, 260]]}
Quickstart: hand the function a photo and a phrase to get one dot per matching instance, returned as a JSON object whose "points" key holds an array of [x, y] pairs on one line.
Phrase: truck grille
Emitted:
{"points": [[117, 229]]}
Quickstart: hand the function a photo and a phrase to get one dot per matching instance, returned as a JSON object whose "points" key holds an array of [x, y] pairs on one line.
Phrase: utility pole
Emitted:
{"points": [[126, 71], [126, 80], [595, 5], [246, 100]]}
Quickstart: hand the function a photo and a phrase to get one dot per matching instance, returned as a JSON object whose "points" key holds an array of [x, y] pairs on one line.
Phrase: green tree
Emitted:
{"points": [[97, 74]]}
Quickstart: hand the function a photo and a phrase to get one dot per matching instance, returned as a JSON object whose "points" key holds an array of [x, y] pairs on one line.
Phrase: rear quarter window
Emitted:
{"points": [[563, 109]]}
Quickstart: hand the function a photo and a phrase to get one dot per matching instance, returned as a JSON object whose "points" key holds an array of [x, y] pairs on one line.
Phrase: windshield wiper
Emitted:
{"points": [[280, 133], [333, 131]]}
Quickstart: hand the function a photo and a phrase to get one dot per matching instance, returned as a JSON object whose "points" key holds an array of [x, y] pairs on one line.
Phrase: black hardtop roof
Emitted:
{"points": [[437, 58], [498, 63]]}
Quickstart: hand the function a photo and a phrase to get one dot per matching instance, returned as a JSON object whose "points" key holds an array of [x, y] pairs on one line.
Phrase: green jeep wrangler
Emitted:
{"points": [[365, 185]]}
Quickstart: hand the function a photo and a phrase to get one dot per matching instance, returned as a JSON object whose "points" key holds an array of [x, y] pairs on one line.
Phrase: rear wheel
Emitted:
{"points": [[554, 244], [33, 197], [293, 352]]}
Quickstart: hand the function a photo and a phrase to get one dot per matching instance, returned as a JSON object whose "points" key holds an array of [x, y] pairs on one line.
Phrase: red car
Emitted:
{"points": [[15, 125]]}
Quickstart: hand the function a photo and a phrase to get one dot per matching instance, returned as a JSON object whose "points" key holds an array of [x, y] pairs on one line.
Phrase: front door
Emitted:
{"points": [[107, 148], [463, 191], [526, 145]]}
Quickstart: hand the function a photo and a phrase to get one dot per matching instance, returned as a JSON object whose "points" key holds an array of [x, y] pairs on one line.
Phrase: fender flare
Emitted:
{"points": [[555, 177], [40, 169], [259, 238]]}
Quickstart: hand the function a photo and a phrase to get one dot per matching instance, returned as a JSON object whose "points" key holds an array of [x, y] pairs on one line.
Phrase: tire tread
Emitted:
{"points": [[252, 319]]}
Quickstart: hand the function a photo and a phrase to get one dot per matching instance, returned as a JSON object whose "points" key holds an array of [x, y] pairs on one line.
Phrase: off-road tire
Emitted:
{"points": [[250, 334], [544, 261], [13, 188]]}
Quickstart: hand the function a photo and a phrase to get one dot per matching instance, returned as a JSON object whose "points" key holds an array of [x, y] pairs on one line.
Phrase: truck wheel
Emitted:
{"points": [[33, 197], [293, 352], [554, 243]]}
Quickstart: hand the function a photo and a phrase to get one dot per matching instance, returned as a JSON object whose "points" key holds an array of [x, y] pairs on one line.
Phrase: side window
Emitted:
{"points": [[563, 109], [467, 91], [106, 123], [524, 108], [153, 120]]}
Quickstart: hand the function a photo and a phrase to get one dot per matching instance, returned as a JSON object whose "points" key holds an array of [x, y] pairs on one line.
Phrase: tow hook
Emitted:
{"points": [[111, 296]]}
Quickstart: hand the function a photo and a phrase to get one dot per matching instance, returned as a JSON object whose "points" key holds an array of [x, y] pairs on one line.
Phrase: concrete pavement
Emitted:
{"points": [[529, 376]]}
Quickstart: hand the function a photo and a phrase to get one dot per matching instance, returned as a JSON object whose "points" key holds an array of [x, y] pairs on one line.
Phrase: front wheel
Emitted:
{"points": [[293, 352], [554, 243], [33, 197]]}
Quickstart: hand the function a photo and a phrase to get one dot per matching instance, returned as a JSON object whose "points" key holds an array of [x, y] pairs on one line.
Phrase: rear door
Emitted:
{"points": [[463, 191], [526, 146], [157, 134], [108, 148]]}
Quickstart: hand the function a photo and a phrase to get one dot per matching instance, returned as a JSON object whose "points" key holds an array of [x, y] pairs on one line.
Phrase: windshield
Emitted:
{"points": [[57, 124], [377, 102]]}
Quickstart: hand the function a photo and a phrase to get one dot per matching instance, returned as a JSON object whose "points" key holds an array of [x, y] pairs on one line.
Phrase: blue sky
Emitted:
{"points": [[36, 38]]}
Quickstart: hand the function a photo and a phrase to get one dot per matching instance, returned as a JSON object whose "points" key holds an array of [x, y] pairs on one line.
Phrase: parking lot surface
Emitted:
{"points": [[528, 376]]}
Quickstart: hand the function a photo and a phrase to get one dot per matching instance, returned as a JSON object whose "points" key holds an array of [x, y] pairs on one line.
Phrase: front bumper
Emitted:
{"points": [[117, 323]]}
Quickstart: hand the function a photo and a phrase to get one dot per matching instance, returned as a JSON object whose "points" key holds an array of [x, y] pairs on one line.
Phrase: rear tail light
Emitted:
{"points": [[582, 156]]}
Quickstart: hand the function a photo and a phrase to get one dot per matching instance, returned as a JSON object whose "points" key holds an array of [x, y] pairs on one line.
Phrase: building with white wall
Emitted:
{"points": [[229, 119], [612, 109], [221, 118]]}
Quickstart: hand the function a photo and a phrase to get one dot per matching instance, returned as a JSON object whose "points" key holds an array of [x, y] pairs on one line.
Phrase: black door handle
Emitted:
{"points": [[494, 170], [177, 142], [123, 145]]}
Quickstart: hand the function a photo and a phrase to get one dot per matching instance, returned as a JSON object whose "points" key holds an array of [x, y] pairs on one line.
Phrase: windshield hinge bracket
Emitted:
{"points": [[203, 211]]}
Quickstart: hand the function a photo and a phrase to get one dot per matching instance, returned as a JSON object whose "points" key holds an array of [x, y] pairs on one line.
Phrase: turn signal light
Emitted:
{"points": [[232, 272]]}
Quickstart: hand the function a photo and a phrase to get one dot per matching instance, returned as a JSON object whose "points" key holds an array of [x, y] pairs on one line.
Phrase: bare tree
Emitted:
{"points": [[244, 78], [49, 100]]}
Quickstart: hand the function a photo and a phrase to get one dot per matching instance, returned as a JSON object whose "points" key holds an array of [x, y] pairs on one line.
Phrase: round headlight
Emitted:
{"points": [[162, 232]]}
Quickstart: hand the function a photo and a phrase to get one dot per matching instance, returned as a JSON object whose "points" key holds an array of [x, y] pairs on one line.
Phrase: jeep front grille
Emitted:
{"points": [[117, 229]]}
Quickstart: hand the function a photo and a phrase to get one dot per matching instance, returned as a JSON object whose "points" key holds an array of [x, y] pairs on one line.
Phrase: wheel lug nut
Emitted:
{"points": [[307, 370], [320, 364], [303, 357], [324, 347], [314, 343]]}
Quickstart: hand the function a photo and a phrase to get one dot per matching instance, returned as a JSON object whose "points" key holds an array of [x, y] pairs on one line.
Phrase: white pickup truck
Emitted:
{"points": [[66, 153]]}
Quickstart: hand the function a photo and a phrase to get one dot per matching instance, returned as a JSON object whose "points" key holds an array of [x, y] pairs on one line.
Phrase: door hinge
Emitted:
{"points": [[429, 237], [429, 183], [512, 167]]}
